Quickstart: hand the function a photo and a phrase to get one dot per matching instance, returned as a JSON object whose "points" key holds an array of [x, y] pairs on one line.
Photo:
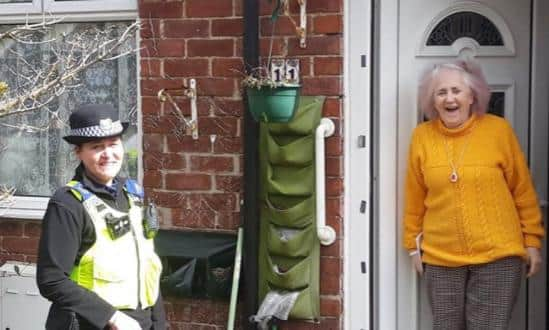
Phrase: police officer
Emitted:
{"points": [[96, 260]]}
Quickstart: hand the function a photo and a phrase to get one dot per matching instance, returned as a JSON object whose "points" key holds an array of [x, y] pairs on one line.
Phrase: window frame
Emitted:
{"points": [[60, 7], [34, 7], [25, 207], [34, 207]]}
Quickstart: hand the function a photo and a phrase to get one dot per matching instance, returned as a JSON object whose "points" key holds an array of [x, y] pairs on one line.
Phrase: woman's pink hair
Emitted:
{"points": [[472, 76]]}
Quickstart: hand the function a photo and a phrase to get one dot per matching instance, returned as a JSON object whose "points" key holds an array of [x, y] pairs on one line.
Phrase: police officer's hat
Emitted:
{"points": [[92, 122]]}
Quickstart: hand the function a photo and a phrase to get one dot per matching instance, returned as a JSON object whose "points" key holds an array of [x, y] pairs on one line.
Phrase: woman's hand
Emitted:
{"points": [[417, 263], [534, 261]]}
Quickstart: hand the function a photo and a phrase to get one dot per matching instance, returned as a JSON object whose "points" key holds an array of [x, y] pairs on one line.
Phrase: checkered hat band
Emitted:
{"points": [[97, 130]]}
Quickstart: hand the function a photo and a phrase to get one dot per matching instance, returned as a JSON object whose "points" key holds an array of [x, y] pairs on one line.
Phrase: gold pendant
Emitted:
{"points": [[454, 176]]}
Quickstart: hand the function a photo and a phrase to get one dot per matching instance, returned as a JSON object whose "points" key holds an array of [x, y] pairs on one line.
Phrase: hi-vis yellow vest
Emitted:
{"points": [[123, 271]]}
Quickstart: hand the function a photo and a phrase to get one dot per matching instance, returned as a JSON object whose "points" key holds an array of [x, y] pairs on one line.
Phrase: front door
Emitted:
{"points": [[498, 35]]}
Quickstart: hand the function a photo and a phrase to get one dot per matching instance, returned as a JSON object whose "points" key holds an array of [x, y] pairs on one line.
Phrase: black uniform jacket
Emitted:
{"points": [[67, 233]]}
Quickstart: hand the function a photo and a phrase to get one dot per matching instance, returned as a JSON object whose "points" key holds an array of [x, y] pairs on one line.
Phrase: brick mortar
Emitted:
{"points": [[224, 143]]}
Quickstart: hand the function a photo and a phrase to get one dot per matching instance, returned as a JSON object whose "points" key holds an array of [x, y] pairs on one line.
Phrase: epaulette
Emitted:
{"points": [[78, 190], [133, 188]]}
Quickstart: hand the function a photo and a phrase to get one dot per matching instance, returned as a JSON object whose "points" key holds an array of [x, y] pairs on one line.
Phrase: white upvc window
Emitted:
{"points": [[35, 163], [29, 7], [10, 7], [75, 6]]}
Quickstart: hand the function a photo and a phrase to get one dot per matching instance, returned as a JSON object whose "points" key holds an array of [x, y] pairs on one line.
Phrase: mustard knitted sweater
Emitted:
{"points": [[491, 211]]}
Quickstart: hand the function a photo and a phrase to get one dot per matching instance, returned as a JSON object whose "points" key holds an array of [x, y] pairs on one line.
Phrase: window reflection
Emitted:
{"points": [[496, 105], [36, 162]]}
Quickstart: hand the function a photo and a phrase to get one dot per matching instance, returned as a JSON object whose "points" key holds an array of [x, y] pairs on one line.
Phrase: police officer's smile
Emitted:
{"points": [[102, 158]]}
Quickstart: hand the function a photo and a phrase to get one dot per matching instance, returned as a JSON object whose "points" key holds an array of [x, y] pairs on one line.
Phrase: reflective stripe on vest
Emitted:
{"points": [[118, 270]]}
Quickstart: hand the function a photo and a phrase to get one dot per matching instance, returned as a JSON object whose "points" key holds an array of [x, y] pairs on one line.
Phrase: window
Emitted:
{"points": [[66, 6], [26, 7], [465, 24], [496, 105], [8, 7], [35, 159]]}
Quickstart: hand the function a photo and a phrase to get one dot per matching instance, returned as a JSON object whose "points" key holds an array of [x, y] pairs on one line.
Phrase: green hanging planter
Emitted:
{"points": [[273, 105]]}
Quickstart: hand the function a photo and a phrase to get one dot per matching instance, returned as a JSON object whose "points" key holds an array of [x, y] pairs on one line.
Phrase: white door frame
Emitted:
{"points": [[367, 305], [386, 311], [539, 137], [357, 160], [399, 313]]}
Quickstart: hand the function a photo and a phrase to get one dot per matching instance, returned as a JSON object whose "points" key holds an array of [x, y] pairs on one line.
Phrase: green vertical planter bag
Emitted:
{"points": [[289, 250]]}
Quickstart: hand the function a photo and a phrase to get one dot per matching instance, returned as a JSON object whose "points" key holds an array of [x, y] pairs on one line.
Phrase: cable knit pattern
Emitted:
{"points": [[491, 212]]}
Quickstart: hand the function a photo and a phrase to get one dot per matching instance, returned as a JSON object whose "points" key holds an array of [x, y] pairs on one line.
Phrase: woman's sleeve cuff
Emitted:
{"points": [[532, 241]]}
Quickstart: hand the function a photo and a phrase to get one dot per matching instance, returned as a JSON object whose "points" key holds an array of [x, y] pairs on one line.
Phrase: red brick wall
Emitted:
{"points": [[198, 184], [19, 240]]}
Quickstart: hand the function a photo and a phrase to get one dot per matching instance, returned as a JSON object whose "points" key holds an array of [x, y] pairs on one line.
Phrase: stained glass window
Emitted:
{"points": [[465, 24], [496, 105]]}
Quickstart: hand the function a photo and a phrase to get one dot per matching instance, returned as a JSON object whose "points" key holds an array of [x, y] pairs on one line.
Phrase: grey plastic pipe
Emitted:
{"points": [[236, 279]]}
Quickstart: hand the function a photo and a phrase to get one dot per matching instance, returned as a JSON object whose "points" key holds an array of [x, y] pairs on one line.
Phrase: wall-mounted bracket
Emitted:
{"points": [[302, 23], [190, 92], [300, 30]]}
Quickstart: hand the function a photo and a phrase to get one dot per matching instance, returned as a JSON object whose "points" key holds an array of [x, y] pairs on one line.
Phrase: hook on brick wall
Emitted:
{"points": [[301, 29], [189, 90]]}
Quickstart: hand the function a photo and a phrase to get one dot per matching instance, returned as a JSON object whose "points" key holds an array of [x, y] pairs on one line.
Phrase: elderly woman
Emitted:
{"points": [[96, 259], [471, 216]]}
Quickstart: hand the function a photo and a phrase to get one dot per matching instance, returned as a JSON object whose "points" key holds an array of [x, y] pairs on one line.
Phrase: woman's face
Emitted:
{"points": [[102, 158], [452, 98]]}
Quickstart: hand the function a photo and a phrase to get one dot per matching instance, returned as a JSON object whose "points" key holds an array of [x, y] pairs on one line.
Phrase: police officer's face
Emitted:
{"points": [[102, 158]]}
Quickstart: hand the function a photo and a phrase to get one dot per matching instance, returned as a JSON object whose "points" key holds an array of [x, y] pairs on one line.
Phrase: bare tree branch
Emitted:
{"points": [[21, 33], [55, 66], [70, 56], [6, 194]]}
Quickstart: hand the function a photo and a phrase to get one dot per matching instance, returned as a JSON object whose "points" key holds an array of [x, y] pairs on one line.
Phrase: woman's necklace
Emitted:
{"points": [[454, 177]]}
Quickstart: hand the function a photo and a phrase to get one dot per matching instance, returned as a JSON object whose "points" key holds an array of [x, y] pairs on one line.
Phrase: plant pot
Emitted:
{"points": [[276, 105]]}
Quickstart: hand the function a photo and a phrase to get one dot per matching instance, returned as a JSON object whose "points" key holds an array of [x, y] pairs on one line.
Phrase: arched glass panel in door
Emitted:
{"points": [[465, 24]]}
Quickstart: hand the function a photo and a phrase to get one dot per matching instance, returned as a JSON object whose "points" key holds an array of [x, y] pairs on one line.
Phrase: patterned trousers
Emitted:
{"points": [[474, 297]]}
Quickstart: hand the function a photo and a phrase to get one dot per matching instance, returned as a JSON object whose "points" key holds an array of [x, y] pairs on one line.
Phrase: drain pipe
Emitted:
{"points": [[249, 210]]}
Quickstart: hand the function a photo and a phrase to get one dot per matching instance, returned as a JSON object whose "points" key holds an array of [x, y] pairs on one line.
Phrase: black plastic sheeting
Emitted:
{"points": [[196, 264]]}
